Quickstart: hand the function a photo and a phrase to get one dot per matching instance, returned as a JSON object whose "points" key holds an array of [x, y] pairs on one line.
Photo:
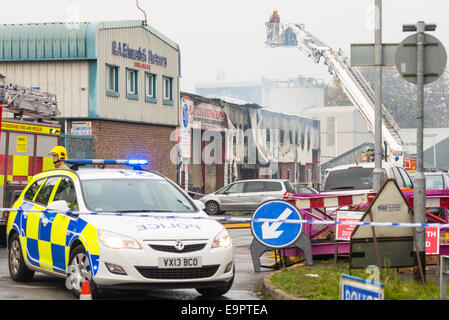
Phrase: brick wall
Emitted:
{"points": [[123, 140]]}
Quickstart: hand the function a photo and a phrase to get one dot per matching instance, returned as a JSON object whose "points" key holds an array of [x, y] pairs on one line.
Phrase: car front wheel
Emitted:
{"points": [[79, 271], [212, 207]]}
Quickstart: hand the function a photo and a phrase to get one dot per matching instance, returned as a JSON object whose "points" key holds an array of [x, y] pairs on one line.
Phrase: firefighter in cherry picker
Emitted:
{"points": [[274, 24], [59, 154]]}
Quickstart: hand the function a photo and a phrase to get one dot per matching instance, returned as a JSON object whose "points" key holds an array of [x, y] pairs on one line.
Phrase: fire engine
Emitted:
{"points": [[26, 140]]}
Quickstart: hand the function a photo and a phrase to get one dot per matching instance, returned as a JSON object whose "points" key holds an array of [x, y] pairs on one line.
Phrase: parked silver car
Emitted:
{"points": [[246, 195]]}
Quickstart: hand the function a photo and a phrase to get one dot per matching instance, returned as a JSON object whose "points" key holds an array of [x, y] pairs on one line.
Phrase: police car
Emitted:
{"points": [[119, 229]]}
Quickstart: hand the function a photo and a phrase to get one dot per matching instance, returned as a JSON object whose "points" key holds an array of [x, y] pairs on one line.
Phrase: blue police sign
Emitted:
{"points": [[185, 115], [277, 234], [352, 288]]}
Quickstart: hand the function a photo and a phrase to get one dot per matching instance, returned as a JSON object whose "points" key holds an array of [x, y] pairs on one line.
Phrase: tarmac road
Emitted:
{"points": [[44, 287]]}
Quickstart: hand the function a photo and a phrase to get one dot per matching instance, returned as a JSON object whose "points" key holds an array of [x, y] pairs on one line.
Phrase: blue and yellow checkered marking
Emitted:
{"points": [[48, 247]]}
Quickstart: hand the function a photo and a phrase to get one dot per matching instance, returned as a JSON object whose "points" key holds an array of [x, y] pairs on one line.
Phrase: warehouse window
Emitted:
{"points": [[112, 81], [150, 87], [167, 90], [131, 84], [281, 137]]}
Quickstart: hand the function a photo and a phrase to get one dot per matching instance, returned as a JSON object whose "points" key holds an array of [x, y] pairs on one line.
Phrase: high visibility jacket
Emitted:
{"points": [[61, 165], [275, 18]]}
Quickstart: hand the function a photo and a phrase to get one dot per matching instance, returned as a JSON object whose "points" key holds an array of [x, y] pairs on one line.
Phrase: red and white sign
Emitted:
{"points": [[206, 116], [410, 165], [343, 232], [432, 240], [142, 65]]}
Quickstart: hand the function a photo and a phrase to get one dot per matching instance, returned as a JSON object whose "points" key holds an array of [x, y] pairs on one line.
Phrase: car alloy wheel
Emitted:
{"points": [[212, 207], [14, 257], [17, 267], [79, 270]]}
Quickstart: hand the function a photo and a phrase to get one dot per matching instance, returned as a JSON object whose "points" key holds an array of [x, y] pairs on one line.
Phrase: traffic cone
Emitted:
{"points": [[85, 291]]}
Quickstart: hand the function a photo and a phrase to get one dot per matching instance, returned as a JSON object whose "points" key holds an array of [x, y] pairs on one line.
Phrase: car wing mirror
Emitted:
{"points": [[59, 206]]}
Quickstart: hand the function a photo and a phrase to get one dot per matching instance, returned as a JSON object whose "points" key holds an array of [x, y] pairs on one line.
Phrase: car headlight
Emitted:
{"points": [[222, 240], [117, 241]]}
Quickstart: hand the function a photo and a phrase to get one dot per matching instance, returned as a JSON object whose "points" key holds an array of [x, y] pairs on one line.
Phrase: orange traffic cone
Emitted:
{"points": [[85, 291]]}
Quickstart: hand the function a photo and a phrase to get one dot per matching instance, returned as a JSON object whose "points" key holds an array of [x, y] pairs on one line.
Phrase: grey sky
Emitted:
{"points": [[228, 36]]}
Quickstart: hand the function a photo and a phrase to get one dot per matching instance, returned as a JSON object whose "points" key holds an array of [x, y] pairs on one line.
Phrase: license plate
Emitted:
{"points": [[188, 262]]}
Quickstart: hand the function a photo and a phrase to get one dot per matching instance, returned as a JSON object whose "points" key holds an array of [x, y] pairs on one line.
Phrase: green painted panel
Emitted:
{"points": [[47, 41]]}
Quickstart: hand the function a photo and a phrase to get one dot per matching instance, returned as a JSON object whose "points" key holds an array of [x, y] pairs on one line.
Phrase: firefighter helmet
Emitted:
{"points": [[60, 151]]}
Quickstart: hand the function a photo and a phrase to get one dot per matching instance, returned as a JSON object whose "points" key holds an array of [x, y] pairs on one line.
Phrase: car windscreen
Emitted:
{"points": [[349, 179], [134, 195]]}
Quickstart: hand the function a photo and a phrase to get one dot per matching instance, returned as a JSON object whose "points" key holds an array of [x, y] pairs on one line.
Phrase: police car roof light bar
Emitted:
{"points": [[134, 163]]}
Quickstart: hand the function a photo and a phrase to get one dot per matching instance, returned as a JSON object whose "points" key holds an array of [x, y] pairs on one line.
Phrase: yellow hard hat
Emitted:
{"points": [[275, 10], [60, 151]]}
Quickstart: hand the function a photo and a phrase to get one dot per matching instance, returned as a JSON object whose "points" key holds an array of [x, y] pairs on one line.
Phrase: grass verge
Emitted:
{"points": [[322, 282]]}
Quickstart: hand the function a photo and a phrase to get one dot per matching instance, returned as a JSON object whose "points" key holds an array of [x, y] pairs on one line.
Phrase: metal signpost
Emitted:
{"points": [[377, 55], [377, 173], [185, 144], [278, 234], [420, 59]]}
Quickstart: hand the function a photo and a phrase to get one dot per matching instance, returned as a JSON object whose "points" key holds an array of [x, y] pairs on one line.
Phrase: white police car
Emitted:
{"points": [[119, 228]]}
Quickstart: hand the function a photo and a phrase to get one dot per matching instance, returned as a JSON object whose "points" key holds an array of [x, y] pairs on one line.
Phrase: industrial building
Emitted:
{"points": [[342, 129], [229, 141], [117, 85]]}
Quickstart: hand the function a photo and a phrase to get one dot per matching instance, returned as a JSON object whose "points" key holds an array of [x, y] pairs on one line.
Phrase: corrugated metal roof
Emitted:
{"points": [[59, 41], [47, 41]]}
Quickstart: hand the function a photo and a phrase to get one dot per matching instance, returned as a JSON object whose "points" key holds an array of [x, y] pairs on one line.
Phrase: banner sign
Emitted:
{"points": [[343, 231], [31, 128], [432, 240]]}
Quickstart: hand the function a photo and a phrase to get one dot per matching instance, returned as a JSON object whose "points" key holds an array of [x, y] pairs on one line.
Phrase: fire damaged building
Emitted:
{"points": [[225, 140]]}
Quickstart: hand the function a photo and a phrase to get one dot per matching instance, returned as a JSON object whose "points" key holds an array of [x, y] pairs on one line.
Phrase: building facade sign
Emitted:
{"points": [[204, 116], [81, 128], [144, 55]]}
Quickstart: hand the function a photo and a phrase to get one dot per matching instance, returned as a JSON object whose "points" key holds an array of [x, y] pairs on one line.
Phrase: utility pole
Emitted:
{"points": [[421, 59], [378, 61], [420, 190]]}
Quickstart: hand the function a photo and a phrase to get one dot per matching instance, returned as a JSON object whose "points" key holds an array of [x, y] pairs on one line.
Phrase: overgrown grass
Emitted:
{"points": [[302, 282]]}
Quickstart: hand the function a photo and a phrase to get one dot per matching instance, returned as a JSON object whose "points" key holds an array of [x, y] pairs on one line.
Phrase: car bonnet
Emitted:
{"points": [[157, 227]]}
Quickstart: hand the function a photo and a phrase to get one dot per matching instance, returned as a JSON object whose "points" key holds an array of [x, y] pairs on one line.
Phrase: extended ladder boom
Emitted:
{"points": [[353, 83], [23, 101]]}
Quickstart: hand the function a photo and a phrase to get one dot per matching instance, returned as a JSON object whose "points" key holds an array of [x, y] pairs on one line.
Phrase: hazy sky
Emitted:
{"points": [[229, 36]]}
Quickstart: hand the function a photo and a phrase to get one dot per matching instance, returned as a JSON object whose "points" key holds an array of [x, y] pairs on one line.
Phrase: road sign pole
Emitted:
{"points": [[420, 59], [377, 173], [420, 188]]}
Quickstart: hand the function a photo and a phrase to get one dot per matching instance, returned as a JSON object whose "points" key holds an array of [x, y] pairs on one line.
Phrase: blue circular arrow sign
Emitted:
{"points": [[276, 234], [185, 115]]}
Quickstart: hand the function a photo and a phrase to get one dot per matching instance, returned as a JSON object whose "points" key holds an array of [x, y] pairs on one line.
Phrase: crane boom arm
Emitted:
{"points": [[353, 82]]}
